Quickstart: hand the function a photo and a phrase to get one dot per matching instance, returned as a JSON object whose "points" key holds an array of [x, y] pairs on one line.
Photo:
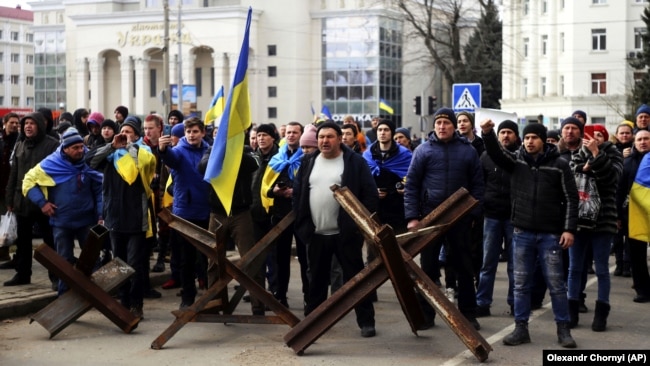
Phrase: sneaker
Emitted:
{"points": [[482, 311], [137, 311], [152, 294], [368, 331], [158, 267], [472, 320], [170, 284]]}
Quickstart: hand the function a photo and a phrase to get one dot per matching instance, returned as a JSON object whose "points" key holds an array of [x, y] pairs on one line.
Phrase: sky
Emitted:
{"points": [[13, 3]]}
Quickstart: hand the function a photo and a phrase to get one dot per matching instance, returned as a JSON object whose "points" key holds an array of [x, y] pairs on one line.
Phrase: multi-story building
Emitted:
{"points": [[342, 54], [561, 55], [16, 59]]}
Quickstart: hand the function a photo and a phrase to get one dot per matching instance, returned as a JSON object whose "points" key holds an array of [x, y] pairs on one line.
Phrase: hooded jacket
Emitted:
{"points": [[78, 123], [27, 153]]}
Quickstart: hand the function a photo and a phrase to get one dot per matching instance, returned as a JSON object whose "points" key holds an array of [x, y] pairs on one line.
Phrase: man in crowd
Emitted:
{"points": [[68, 192], [28, 152], [120, 113], [8, 138], [642, 118], [440, 166], [350, 133], [544, 215], [323, 225]]}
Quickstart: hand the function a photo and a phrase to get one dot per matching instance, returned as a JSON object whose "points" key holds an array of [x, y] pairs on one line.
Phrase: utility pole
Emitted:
{"points": [[180, 62], [166, 99]]}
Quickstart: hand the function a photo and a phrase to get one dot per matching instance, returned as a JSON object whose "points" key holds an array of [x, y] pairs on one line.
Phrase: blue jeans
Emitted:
{"points": [[64, 241], [495, 233], [527, 246], [601, 244]]}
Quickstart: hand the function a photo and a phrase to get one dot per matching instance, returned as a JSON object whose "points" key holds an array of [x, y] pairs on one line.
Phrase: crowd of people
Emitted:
{"points": [[537, 190]]}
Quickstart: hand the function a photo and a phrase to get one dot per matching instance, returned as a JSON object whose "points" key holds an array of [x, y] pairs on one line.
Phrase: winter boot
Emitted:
{"points": [[564, 336], [583, 303], [600, 317], [574, 313], [519, 335]]}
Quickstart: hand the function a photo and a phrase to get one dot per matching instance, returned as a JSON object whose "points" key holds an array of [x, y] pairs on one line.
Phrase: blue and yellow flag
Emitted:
{"points": [[216, 107], [225, 157], [325, 111], [639, 219], [383, 105]]}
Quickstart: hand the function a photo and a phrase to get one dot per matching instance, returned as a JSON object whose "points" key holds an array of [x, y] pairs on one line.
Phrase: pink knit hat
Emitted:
{"points": [[308, 137], [97, 117]]}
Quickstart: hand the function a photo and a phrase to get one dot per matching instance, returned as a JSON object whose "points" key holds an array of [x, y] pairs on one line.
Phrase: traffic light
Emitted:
{"points": [[417, 105], [433, 104]]}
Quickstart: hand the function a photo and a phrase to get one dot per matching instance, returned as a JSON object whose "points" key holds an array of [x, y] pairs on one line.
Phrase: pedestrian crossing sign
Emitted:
{"points": [[466, 97]]}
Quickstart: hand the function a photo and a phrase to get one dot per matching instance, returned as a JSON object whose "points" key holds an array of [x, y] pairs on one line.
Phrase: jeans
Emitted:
{"points": [[601, 244], [495, 232], [64, 241], [527, 246]]}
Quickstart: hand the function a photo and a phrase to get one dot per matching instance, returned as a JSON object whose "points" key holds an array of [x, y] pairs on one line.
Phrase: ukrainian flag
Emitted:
{"points": [[325, 111], [225, 158], [639, 219], [216, 107], [383, 105]]}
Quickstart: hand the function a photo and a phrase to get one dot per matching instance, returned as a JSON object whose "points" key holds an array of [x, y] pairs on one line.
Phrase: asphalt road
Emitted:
{"points": [[94, 340]]}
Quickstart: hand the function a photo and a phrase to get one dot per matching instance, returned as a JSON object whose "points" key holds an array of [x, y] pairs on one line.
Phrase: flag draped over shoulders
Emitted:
{"points": [[133, 161], [225, 158], [398, 164], [276, 165], [639, 208], [56, 169]]}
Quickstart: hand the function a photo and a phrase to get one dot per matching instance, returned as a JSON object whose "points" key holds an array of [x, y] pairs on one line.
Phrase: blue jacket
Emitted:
{"points": [[438, 169], [190, 191]]}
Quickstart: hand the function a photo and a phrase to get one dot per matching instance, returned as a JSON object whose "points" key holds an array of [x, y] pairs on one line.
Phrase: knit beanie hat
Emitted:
{"points": [[70, 137], [644, 108], [109, 123], [66, 116], [267, 129], [573, 121], [447, 113], [602, 130], [124, 111], [133, 122], [178, 130], [96, 117], [509, 125], [308, 137], [388, 123], [404, 131], [63, 126], [469, 115], [581, 114], [538, 129], [553, 134]]}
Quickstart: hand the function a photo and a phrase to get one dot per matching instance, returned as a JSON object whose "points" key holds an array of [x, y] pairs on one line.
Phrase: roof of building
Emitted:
{"points": [[16, 13]]}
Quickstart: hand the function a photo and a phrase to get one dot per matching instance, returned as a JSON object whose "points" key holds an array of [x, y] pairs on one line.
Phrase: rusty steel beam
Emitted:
{"points": [[235, 319], [90, 252], [375, 274], [70, 306], [78, 282], [201, 238]]}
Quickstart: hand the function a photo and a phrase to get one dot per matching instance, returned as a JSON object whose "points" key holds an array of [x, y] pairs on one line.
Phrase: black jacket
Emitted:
{"points": [[543, 195], [496, 204], [257, 210], [630, 168], [356, 177]]}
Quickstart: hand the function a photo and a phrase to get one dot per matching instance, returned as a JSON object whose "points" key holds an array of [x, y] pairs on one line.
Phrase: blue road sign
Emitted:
{"points": [[466, 97]]}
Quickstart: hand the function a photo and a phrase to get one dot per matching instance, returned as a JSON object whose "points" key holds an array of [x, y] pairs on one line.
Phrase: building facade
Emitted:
{"points": [[343, 54], [16, 59], [562, 55]]}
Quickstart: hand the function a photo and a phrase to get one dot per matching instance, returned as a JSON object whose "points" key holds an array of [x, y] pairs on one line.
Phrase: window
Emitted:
{"points": [[14, 36], [526, 6], [272, 50], [14, 79], [15, 101], [638, 38], [15, 57], [599, 83], [29, 80], [544, 6], [598, 121], [599, 39], [542, 87], [273, 91], [2, 100], [198, 77], [524, 88], [526, 44], [561, 85], [599, 1], [30, 101], [561, 41], [29, 59], [2, 79], [273, 71], [544, 44], [273, 112], [29, 37], [152, 83]]}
